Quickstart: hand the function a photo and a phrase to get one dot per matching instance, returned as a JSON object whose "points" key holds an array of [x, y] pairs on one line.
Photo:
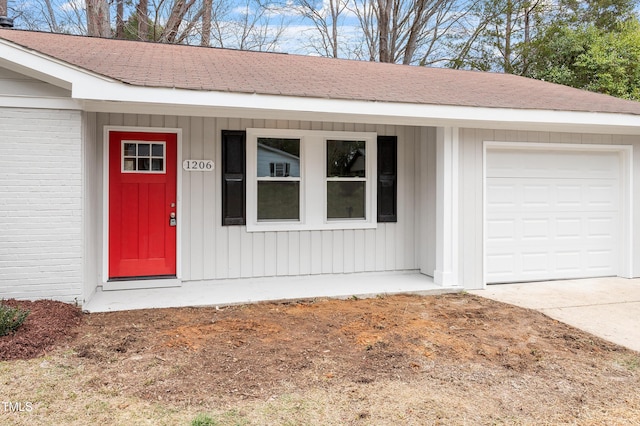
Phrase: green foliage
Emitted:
{"points": [[631, 362], [498, 38], [604, 14], [131, 29], [229, 418], [591, 58], [203, 420], [583, 43], [11, 319]]}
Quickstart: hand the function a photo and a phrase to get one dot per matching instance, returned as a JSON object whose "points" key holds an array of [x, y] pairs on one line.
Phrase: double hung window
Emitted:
{"points": [[278, 179], [346, 179], [310, 180]]}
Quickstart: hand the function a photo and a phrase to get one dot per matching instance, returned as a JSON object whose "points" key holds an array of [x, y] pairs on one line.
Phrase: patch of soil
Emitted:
{"points": [[254, 351], [48, 325], [494, 362]]}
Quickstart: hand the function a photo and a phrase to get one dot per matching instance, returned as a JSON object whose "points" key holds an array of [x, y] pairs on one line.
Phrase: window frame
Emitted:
{"points": [[313, 181], [329, 179], [275, 178], [136, 157]]}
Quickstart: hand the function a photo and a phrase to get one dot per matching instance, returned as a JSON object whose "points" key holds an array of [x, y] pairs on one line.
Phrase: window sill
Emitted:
{"points": [[327, 226]]}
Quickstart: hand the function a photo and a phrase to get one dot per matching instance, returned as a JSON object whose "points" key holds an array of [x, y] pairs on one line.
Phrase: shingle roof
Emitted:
{"points": [[213, 69]]}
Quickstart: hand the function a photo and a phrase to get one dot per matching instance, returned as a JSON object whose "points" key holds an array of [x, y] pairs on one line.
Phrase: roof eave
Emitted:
{"points": [[117, 97], [102, 94], [45, 68]]}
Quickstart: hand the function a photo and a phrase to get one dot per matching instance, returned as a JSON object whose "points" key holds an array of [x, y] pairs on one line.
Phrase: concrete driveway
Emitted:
{"points": [[606, 307]]}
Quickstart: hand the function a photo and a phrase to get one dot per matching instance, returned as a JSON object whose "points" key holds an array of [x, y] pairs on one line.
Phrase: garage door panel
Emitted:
{"points": [[566, 195], [501, 230], [501, 264], [502, 195], [536, 195], [535, 263], [568, 261], [552, 164], [535, 229], [602, 227], [555, 264], [602, 195], [568, 227], [551, 215], [569, 196], [600, 260]]}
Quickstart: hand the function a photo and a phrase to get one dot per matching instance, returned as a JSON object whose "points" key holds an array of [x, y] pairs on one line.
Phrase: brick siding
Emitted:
{"points": [[40, 204]]}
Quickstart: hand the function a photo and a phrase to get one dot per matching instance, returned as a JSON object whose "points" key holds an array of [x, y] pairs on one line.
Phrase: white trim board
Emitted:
{"points": [[189, 102], [39, 103]]}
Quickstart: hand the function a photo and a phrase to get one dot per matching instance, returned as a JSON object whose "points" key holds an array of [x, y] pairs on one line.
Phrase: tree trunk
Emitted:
{"points": [[178, 11], [120, 19], [206, 22], [416, 27], [527, 38], [335, 12], [3, 8], [384, 14], [507, 39], [143, 20], [98, 20], [53, 24]]}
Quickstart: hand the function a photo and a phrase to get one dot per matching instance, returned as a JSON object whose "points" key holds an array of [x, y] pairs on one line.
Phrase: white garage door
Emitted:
{"points": [[551, 214]]}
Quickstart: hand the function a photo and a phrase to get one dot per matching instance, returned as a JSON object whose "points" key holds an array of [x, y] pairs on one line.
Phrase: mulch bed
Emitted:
{"points": [[49, 324]]}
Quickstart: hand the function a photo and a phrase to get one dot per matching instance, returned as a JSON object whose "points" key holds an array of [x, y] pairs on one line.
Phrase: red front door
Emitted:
{"points": [[142, 204]]}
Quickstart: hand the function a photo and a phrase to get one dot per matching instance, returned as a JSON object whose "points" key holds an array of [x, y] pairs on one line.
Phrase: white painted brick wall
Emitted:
{"points": [[40, 204]]}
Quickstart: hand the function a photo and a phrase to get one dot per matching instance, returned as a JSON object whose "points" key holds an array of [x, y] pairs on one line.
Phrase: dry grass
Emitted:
{"points": [[442, 360]]}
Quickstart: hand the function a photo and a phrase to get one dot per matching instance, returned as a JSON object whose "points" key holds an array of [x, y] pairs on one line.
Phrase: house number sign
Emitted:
{"points": [[198, 165]]}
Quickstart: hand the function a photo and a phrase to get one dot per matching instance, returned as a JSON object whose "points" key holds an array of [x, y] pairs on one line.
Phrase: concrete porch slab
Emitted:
{"points": [[240, 291], [606, 307]]}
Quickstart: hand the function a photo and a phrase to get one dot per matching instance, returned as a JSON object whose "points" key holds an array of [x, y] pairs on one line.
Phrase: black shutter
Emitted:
{"points": [[233, 177], [387, 182]]}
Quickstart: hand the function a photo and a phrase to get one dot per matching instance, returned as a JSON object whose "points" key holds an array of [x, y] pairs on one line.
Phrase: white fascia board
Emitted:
{"points": [[45, 68], [39, 103], [191, 102]]}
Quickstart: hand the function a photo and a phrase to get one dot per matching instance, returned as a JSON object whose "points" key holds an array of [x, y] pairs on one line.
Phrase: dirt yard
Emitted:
{"points": [[451, 359]]}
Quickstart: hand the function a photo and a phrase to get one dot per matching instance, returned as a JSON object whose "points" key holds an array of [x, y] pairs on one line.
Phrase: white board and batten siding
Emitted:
{"points": [[211, 251], [41, 237], [596, 209]]}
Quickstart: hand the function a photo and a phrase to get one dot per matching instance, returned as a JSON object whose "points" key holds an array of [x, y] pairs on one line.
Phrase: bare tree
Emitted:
{"points": [[246, 26], [205, 39], [326, 21], [385, 44], [98, 18], [177, 15], [119, 18], [404, 31], [254, 29], [142, 12], [497, 35]]}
